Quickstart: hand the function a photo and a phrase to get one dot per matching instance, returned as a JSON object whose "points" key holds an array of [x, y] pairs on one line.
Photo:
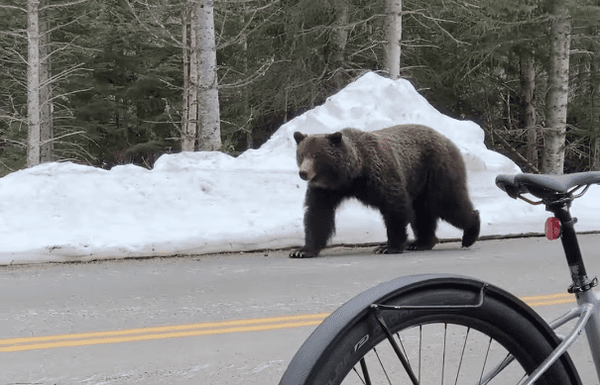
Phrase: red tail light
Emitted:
{"points": [[552, 228]]}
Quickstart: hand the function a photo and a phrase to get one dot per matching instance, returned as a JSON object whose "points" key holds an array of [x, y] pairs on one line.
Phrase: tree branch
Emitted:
{"points": [[258, 73], [62, 74], [62, 5], [512, 150], [17, 143], [62, 136], [66, 24], [70, 93], [172, 38], [14, 7]]}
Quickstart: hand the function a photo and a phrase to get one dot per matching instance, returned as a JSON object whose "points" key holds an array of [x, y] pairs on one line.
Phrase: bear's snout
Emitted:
{"points": [[307, 169]]}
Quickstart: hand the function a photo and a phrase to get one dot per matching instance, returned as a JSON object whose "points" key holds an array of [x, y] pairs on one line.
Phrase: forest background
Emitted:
{"points": [[114, 76]]}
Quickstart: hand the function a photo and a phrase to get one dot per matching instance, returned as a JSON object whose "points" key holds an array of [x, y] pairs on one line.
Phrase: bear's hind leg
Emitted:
{"points": [[424, 225], [471, 233], [456, 208], [466, 219]]}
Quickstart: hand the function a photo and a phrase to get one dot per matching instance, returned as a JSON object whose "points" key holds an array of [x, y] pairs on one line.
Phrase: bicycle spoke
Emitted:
{"points": [[405, 352], [390, 337], [382, 367], [462, 355], [420, 350], [499, 368], [358, 375], [363, 366], [523, 379], [487, 353], [444, 352]]}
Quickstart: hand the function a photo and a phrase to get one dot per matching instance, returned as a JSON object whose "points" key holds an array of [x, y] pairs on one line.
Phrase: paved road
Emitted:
{"points": [[230, 318]]}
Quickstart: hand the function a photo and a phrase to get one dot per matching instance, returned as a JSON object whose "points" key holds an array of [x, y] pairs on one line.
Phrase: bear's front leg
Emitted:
{"points": [[319, 221], [396, 233]]}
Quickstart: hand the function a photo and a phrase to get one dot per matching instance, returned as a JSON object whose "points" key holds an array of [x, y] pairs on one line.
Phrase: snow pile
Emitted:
{"points": [[207, 202]]}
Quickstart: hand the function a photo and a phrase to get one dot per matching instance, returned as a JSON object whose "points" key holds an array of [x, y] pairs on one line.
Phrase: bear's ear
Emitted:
{"points": [[299, 137], [335, 139]]}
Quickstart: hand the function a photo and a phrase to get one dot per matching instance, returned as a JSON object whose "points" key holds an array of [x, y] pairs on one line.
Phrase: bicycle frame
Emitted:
{"points": [[587, 312], [592, 327], [588, 304]]}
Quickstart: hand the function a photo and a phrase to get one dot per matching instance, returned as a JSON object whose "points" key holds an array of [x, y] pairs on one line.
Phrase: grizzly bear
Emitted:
{"points": [[411, 173]]}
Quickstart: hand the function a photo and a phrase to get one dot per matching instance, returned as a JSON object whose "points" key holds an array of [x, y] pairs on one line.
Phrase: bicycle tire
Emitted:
{"points": [[353, 331]]}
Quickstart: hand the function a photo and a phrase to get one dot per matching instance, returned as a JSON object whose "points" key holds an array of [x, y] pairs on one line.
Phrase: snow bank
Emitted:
{"points": [[208, 201]]}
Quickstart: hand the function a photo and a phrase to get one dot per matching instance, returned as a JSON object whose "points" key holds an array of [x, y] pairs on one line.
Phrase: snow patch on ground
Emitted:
{"points": [[209, 201]]}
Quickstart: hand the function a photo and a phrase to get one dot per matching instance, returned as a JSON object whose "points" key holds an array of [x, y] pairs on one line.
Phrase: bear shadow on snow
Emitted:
{"points": [[411, 173]]}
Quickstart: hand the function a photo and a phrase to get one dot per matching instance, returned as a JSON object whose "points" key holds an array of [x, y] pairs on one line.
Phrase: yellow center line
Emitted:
{"points": [[549, 299], [203, 329], [160, 332]]}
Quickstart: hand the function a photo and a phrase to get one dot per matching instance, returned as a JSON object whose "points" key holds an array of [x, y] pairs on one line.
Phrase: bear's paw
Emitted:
{"points": [[303, 253], [387, 250], [415, 246]]}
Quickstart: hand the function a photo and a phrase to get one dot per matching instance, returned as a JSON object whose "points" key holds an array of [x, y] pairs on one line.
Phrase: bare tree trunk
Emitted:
{"points": [[340, 39], [558, 81], [189, 130], [393, 22], [245, 90], [209, 138], [186, 77], [529, 118], [46, 122], [33, 83]]}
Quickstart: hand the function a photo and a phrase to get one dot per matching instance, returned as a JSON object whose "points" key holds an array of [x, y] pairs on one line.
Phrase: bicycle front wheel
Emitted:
{"points": [[429, 330]]}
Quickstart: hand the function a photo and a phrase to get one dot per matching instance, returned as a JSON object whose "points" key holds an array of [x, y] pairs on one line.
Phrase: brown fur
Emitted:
{"points": [[411, 173]]}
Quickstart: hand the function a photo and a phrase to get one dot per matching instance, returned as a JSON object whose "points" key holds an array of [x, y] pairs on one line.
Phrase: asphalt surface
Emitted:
{"points": [[230, 318]]}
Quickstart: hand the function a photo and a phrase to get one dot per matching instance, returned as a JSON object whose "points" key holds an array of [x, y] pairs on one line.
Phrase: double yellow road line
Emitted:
{"points": [[202, 329], [160, 332]]}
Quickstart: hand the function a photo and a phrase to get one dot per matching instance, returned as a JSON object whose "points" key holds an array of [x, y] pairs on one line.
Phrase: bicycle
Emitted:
{"points": [[454, 329]]}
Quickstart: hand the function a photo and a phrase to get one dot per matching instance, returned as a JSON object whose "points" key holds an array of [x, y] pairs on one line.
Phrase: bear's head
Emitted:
{"points": [[328, 161]]}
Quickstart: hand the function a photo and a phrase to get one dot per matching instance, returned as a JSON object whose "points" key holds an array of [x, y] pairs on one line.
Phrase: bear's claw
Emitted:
{"points": [[415, 246], [386, 250], [302, 254]]}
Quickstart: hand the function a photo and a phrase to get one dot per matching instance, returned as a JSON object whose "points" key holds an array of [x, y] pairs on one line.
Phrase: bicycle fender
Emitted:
{"points": [[345, 317]]}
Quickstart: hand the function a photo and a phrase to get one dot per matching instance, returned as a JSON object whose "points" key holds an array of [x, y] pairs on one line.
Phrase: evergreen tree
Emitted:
{"points": [[118, 77]]}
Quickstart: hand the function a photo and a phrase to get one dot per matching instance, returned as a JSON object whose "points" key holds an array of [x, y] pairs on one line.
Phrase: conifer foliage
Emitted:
{"points": [[123, 81]]}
